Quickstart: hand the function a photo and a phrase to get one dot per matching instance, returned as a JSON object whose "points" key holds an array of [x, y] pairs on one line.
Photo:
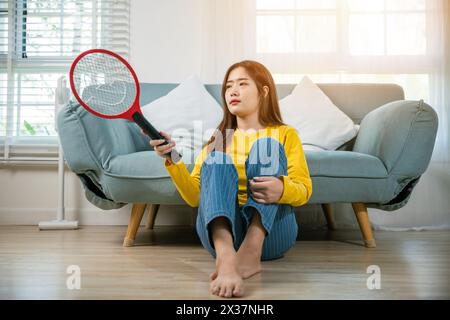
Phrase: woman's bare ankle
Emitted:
{"points": [[226, 258], [249, 263], [249, 254]]}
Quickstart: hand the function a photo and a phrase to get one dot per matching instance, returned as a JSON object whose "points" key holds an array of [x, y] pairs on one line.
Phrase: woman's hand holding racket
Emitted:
{"points": [[161, 148]]}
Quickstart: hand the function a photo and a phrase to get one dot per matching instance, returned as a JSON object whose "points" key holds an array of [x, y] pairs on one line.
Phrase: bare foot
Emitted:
{"points": [[248, 264], [227, 282], [248, 257]]}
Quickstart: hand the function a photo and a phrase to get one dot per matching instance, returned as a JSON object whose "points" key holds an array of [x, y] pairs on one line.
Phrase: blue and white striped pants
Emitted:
{"points": [[218, 198]]}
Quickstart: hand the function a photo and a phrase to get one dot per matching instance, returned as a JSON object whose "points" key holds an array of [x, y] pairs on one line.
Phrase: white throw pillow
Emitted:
{"points": [[318, 121], [187, 107]]}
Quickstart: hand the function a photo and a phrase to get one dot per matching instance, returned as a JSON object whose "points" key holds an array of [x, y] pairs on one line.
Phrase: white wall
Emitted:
{"points": [[165, 36], [30, 194]]}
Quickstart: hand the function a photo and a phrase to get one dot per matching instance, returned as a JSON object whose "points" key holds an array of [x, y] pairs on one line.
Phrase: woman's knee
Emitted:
{"points": [[266, 158]]}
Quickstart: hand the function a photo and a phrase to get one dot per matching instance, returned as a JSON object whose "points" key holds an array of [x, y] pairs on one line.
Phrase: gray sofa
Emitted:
{"points": [[377, 169]]}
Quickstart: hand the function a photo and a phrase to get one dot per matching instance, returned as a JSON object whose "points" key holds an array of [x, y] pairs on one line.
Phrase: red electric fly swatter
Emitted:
{"points": [[106, 85]]}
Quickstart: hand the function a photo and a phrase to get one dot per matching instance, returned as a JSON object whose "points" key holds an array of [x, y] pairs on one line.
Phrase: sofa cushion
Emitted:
{"points": [[139, 177], [344, 164], [340, 176], [148, 165], [138, 165]]}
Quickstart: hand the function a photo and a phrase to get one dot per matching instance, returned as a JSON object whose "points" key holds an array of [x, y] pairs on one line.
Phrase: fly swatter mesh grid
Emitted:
{"points": [[104, 83]]}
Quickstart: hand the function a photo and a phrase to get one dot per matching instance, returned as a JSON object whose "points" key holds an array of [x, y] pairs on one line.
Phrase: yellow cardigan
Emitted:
{"points": [[297, 184]]}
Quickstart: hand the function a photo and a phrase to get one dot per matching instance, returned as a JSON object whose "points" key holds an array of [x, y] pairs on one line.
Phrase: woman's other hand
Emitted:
{"points": [[266, 189]]}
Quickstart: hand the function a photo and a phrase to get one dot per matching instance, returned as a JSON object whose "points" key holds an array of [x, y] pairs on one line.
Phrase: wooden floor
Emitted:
{"points": [[169, 263]]}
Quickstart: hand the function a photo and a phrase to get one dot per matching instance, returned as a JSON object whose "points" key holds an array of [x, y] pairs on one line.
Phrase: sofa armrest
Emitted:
{"points": [[402, 134], [90, 142]]}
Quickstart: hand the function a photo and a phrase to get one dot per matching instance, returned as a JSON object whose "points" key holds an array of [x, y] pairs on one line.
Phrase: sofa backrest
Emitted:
{"points": [[354, 99]]}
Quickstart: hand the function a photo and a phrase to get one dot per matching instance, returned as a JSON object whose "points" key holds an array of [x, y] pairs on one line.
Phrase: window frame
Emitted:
{"points": [[18, 60], [341, 60]]}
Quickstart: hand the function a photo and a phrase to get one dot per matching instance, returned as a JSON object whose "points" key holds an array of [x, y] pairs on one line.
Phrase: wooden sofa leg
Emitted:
{"points": [[362, 216], [328, 211], [152, 212], [135, 220]]}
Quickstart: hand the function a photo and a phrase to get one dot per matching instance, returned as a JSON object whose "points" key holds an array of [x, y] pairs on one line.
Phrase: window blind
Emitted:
{"points": [[38, 41]]}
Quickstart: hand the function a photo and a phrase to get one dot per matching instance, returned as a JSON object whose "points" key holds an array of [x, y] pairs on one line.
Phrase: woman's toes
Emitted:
{"points": [[238, 292], [221, 291], [229, 292], [214, 288]]}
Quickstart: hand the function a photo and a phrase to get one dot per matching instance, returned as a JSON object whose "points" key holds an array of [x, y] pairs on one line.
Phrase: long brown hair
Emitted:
{"points": [[269, 110]]}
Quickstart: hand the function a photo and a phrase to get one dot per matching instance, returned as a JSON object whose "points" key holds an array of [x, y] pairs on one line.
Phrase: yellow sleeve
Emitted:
{"points": [[297, 184], [187, 184]]}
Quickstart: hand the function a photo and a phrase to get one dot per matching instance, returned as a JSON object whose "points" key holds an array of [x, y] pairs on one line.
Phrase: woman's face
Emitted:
{"points": [[241, 93]]}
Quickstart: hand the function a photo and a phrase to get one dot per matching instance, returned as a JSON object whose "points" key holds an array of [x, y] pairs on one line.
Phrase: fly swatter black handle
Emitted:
{"points": [[154, 134]]}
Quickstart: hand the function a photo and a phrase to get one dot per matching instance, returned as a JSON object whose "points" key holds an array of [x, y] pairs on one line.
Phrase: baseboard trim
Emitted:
{"points": [[167, 215]]}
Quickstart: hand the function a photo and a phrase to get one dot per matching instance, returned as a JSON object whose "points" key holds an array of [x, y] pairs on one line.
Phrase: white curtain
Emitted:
{"points": [[224, 39], [402, 41], [429, 207], [440, 83]]}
